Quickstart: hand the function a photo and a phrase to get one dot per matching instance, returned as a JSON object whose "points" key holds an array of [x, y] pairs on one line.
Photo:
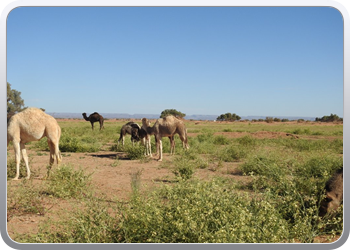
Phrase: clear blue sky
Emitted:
{"points": [[269, 61]]}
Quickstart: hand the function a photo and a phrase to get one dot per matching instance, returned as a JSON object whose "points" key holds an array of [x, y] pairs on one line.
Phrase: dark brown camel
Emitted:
{"points": [[334, 193], [94, 117]]}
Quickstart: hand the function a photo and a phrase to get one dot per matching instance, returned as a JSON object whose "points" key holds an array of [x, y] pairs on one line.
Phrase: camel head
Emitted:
{"points": [[135, 134], [85, 117], [145, 122]]}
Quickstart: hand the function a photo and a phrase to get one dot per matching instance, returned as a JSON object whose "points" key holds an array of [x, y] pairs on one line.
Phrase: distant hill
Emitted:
{"points": [[156, 116]]}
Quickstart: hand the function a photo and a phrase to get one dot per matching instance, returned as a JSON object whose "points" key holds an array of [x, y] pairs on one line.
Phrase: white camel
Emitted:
{"points": [[33, 124], [166, 127], [145, 136]]}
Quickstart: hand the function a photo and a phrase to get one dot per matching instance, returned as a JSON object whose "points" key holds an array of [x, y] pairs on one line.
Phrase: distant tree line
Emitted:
{"points": [[329, 118]]}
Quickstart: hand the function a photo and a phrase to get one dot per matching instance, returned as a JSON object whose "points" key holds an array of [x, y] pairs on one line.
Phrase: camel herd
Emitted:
{"points": [[33, 124]]}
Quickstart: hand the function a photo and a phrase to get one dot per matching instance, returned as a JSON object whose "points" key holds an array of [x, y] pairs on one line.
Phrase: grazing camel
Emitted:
{"points": [[138, 134], [94, 117], [127, 129], [32, 124], [334, 193], [166, 127], [141, 134]]}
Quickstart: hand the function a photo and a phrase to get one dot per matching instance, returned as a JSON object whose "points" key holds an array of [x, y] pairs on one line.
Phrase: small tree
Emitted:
{"points": [[14, 101], [228, 117], [330, 118], [173, 112]]}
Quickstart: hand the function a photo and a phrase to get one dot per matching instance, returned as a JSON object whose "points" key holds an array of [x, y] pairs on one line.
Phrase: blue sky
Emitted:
{"points": [[268, 61]]}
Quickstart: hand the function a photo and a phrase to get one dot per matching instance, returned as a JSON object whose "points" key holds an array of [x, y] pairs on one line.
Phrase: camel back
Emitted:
{"points": [[170, 125], [33, 124]]}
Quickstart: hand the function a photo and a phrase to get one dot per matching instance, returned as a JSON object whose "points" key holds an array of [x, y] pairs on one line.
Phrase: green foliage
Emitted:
{"points": [[136, 152], [232, 153], [184, 167], [66, 182], [201, 212], [228, 117], [74, 144], [330, 118], [221, 140], [14, 101], [173, 112]]}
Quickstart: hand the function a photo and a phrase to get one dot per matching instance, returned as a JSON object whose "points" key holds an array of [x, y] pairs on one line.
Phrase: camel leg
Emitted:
{"points": [[172, 145], [149, 146], [144, 144], [160, 149], [184, 141], [54, 152], [17, 158], [25, 158], [92, 125]]}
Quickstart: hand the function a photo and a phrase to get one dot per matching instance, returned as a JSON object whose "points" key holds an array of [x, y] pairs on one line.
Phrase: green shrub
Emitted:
{"points": [[184, 167], [221, 140], [65, 182], [247, 141], [199, 212], [232, 153], [136, 152], [319, 166]]}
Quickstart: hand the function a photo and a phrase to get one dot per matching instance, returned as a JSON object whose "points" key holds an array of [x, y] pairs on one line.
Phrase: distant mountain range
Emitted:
{"points": [[156, 116]]}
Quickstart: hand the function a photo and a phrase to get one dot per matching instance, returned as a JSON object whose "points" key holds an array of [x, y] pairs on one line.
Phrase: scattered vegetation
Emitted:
{"points": [[279, 202]]}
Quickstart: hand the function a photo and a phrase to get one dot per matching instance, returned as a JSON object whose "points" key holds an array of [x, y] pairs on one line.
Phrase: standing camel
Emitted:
{"points": [[166, 127], [32, 124], [94, 117], [127, 129]]}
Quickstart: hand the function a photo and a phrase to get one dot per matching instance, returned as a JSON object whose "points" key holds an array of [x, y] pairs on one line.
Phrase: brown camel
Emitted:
{"points": [[166, 127], [334, 193], [94, 117], [32, 124]]}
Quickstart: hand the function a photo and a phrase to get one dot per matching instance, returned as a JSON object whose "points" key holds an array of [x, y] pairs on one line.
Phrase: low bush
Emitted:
{"points": [[66, 182], [201, 212], [232, 153]]}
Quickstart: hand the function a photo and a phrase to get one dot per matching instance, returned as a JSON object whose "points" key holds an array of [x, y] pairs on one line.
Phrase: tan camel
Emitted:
{"points": [[166, 127], [32, 124]]}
